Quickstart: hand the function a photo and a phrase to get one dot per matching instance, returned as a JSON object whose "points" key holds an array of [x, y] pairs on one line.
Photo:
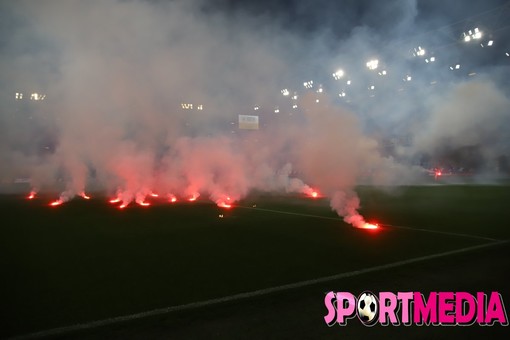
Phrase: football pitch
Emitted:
{"points": [[87, 260]]}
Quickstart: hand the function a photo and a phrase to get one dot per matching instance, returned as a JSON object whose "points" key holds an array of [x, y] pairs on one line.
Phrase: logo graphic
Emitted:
{"points": [[408, 308], [367, 308]]}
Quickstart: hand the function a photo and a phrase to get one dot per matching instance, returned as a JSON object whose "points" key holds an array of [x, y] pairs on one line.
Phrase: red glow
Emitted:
{"points": [[115, 200], [224, 205], [144, 204], [194, 197], [122, 206], [315, 194], [85, 196], [438, 173], [173, 199], [154, 194], [32, 195], [370, 226], [56, 203]]}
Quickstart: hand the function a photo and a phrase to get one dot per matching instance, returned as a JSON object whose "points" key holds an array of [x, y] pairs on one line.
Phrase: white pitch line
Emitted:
{"points": [[386, 225], [247, 295]]}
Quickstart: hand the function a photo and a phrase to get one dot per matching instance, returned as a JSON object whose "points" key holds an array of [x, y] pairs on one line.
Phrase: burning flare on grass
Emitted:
{"points": [[172, 198], [153, 194], [85, 196], [32, 194], [224, 205], [194, 197], [56, 203], [370, 226]]}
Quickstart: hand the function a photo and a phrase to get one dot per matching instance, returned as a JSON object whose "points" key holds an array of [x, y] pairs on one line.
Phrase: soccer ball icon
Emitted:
{"points": [[367, 308]]}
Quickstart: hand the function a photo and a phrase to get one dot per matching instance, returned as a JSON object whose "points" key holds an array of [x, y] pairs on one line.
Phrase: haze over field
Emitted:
{"points": [[115, 74]]}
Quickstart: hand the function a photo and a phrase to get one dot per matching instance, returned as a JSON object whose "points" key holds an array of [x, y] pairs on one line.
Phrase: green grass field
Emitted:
{"points": [[87, 260]]}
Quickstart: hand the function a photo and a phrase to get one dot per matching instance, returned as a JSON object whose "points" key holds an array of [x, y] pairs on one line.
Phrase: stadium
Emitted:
{"points": [[177, 169]]}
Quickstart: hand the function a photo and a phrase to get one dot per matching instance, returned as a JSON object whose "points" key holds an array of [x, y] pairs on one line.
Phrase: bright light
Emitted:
{"points": [[285, 92], [372, 64], [408, 78], [341, 94], [370, 226], [383, 73], [115, 200], [348, 82], [419, 52], [276, 110], [338, 74], [143, 203], [37, 96], [153, 194], [490, 42], [294, 106], [317, 100], [457, 66], [372, 87], [82, 194], [32, 195], [256, 108], [19, 95], [308, 84], [56, 203], [475, 34]]}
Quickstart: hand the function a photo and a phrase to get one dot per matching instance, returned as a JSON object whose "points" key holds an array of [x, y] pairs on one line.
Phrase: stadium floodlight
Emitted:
{"points": [[408, 78], [383, 73], [308, 84], [419, 51], [316, 100], [294, 106], [455, 67], [507, 54], [341, 94], [256, 108], [285, 92], [430, 60], [319, 90], [19, 95], [372, 64], [371, 87], [338, 74], [276, 110], [295, 96], [474, 34], [349, 82]]}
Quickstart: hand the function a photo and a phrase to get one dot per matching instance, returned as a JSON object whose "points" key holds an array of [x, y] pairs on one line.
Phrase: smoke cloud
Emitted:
{"points": [[143, 97]]}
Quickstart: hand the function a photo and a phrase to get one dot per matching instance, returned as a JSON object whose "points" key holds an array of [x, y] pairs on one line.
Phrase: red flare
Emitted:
{"points": [[172, 198], [154, 194], [144, 204], [32, 195], [56, 203], [370, 226], [315, 194], [224, 205], [122, 206], [85, 196], [115, 200], [194, 197]]}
